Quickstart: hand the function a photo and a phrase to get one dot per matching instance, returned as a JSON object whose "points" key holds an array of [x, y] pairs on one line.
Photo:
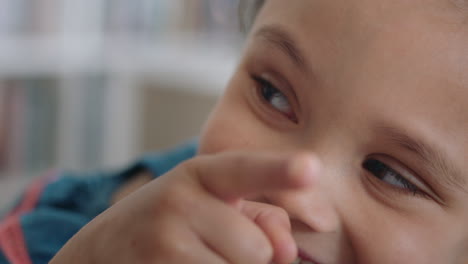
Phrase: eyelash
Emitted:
{"points": [[379, 169], [267, 92]]}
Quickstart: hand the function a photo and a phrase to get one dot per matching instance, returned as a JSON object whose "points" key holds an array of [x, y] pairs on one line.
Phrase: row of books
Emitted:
{"points": [[28, 124], [147, 17], [34, 116]]}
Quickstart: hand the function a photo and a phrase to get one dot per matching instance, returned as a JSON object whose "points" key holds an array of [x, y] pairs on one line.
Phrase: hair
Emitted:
{"points": [[248, 10]]}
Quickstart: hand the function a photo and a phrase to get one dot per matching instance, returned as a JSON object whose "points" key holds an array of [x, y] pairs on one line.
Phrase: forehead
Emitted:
{"points": [[431, 33], [400, 60]]}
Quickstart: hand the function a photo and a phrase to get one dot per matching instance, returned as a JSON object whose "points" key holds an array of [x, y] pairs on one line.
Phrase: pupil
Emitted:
{"points": [[375, 166], [268, 92]]}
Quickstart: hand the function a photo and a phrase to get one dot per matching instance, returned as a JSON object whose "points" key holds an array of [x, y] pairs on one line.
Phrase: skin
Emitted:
{"points": [[270, 180], [395, 63]]}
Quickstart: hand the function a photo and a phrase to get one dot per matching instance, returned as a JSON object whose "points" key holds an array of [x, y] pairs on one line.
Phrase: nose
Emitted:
{"points": [[312, 210], [311, 206], [320, 213]]}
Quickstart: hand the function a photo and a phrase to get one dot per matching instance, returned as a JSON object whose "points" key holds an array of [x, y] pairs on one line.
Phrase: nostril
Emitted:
{"points": [[314, 212], [325, 220], [300, 227]]}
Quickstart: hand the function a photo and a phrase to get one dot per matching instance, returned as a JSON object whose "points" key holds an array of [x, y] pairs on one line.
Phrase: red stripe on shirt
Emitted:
{"points": [[12, 241], [32, 194]]}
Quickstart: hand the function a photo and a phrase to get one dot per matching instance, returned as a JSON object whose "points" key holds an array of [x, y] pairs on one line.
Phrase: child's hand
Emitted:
{"points": [[196, 214]]}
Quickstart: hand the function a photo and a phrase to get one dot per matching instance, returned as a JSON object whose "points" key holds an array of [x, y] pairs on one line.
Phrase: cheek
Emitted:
{"points": [[221, 134], [388, 241], [229, 125]]}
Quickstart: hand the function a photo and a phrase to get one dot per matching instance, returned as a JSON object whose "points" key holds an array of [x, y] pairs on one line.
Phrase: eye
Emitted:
{"points": [[388, 175], [275, 98]]}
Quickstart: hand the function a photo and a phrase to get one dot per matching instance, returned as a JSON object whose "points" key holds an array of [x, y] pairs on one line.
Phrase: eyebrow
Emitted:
{"points": [[460, 5], [433, 158], [281, 39]]}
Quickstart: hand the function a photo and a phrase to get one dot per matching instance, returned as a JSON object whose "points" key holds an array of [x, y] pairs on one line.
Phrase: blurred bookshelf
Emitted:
{"points": [[95, 83]]}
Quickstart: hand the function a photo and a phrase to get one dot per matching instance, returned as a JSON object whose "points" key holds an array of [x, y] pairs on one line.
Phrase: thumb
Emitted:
{"points": [[274, 222]]}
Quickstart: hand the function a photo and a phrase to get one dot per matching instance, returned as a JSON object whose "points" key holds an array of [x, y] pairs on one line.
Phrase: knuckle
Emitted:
{"points": [[271, 213], [278, 212], [281, 211], [282, 215]]}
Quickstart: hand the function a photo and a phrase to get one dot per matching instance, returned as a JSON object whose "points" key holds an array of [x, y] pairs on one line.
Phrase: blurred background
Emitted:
{"points": [[93, 84]]}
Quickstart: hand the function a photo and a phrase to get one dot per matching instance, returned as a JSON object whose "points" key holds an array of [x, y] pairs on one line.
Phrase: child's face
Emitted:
{"points": [[379, 90]]}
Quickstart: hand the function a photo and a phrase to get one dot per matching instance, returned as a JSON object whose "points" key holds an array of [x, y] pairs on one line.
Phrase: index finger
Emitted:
{"points": [[236, 175]]}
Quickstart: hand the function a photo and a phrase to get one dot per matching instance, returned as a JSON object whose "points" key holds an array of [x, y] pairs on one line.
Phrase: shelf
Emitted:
{"points": [[139, 52], [202, 65], [127, 65]]}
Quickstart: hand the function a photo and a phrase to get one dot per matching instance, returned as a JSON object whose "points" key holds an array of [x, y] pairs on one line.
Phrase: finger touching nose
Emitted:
{"points": [[312, 206], [236, 175]]}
